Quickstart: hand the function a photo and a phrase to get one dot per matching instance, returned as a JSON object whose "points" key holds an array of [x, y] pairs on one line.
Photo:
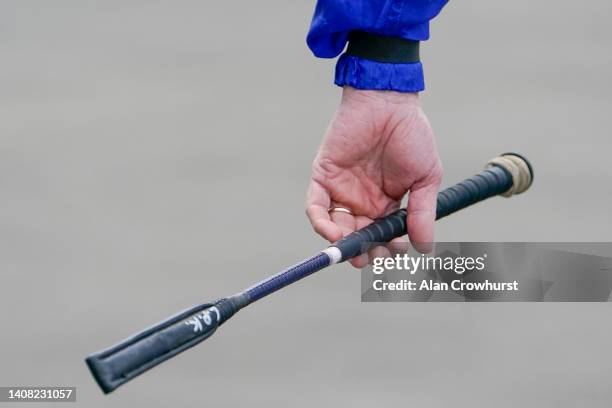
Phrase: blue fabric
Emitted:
{"points": [[409, 19], [364, 74]]}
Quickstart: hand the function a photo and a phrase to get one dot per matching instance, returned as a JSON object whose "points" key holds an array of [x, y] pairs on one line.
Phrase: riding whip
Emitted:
{"points": [[506, 175]]}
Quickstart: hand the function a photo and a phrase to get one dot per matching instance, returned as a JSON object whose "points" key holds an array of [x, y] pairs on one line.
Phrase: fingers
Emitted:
{"points": [[345, 221], [317, 206], [348, 223], [422, 212], [399, 245], [378, 252], [421, 217], [359, 222], [337, 224]]}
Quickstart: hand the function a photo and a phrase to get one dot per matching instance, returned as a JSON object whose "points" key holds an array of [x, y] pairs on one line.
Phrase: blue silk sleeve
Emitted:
{"points": [[333, 20]]}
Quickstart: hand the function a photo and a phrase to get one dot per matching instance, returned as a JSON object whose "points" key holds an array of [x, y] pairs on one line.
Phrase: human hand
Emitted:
{"points": [[378, 147]]}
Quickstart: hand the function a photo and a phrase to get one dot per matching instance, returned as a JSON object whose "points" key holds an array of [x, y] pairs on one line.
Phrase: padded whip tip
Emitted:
{"points": [[520, 169]]}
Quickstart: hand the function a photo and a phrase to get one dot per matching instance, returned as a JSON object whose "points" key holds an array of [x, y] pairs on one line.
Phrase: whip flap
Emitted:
{"points": [[505, 175]]}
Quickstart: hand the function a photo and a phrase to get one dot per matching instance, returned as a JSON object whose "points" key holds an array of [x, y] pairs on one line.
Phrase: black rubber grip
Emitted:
{"points": [[488, 183], [135, 355], [382, 230]]}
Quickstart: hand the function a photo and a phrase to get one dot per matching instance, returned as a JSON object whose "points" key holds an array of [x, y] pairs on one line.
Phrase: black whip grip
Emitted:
{"points": [[488, 183], [382, 230], [133, 356]]}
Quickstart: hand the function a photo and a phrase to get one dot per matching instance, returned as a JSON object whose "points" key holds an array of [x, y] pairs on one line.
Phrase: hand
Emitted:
{"points": [[378, 147]]}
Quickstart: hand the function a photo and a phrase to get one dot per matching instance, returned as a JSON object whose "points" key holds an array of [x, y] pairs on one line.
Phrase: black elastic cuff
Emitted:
{"points": [[379, 48]]}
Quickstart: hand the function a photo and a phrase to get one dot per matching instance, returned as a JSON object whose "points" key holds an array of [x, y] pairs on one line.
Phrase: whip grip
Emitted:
{"points": [[507, 174], [133, 356], [381, 230], [488, 183]]}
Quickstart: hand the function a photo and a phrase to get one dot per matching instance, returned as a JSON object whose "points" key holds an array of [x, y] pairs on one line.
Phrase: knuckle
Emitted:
{"points": [[312, 211]]}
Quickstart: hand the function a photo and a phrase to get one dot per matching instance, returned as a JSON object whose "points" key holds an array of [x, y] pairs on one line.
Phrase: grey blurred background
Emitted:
{"points": [[156, 154]]}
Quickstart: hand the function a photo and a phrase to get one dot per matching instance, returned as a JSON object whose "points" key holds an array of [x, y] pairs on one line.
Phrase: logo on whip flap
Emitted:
{"points": [[204, 317]]}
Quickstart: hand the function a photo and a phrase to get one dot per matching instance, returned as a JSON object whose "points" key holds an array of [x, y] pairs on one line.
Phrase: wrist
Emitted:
{"points": [[353, 95]]}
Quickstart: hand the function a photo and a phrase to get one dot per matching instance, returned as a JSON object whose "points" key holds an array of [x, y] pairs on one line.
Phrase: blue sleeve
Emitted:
{"points": [[408, 19]]}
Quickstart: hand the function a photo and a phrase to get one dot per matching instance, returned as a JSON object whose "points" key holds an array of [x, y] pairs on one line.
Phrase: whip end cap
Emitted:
{"points": [[520, 169]]}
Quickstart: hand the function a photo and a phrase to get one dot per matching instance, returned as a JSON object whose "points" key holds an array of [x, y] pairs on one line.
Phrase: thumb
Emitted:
{"points": [[422, 212]]}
